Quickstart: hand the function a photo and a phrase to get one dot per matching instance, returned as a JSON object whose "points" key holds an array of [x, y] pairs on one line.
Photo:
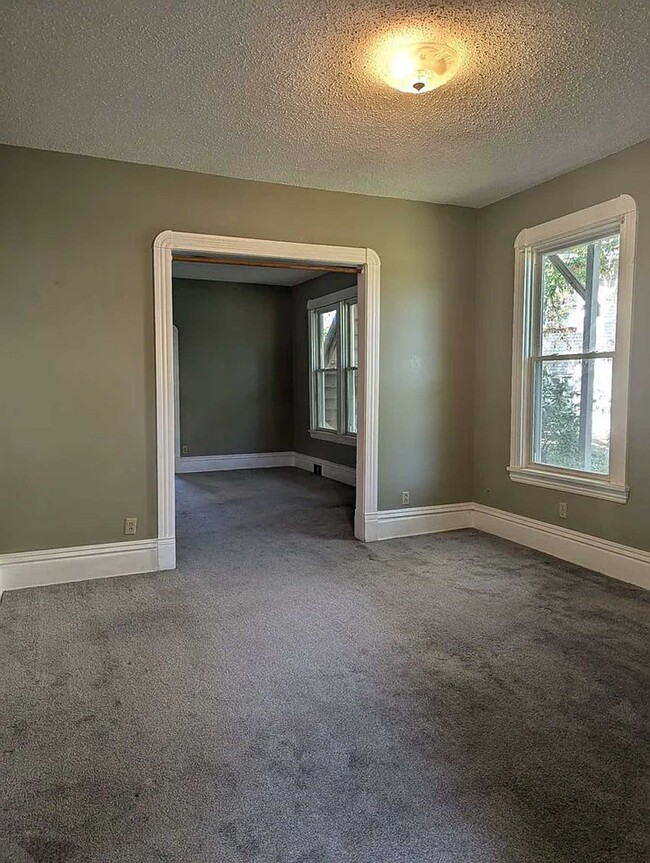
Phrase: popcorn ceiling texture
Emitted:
{"points": [[288, 92]]}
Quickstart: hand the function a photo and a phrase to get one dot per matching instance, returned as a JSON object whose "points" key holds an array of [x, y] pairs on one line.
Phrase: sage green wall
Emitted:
{"points": [[78, 438], [627, 172], [234, 367], [338, 453]]}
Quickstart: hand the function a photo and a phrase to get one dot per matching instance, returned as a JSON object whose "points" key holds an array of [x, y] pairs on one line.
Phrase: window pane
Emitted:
{"points": [[573, 414], [327, 393], [354, 334], [352, 400], [578, 297], [328, 339], [607, 293]]}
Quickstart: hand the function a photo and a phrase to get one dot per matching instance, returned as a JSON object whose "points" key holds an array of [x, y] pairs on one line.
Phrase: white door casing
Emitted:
{"points": [[368, 393]]}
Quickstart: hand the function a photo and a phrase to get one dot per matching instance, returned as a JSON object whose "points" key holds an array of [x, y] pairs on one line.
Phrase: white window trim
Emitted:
{"points": [[619, 214], [315, 305]]}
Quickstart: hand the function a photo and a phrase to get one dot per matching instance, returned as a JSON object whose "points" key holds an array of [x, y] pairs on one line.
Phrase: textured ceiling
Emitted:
{"points": [[286, 91]]}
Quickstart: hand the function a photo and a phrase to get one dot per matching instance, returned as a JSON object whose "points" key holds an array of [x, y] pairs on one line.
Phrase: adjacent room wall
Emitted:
{"points": [[627, 172], [234, 367], [77, 369], [328, 283]]}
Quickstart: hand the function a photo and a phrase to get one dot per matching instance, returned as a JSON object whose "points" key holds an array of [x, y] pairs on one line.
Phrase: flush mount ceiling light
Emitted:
{"points": [[420, 67]]}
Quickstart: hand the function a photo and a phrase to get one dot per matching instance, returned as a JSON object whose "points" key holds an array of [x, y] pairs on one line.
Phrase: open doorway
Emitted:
{"points": [[266, 364], [333, 293]]}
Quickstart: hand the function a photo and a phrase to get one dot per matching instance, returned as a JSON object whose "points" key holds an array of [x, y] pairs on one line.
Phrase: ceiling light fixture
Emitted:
{"points": [[420, 67]]}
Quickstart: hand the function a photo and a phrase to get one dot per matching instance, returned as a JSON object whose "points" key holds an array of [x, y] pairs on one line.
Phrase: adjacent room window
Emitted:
{"points": [[334, 349], [573, 301]]}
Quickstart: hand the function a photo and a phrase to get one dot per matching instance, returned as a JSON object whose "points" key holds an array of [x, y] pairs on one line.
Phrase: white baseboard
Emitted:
{"points": [[623, 562], [79, 563], [413, 521], [56, 566], [338, 472], [239, 461], [610, 558], [246, 461]]}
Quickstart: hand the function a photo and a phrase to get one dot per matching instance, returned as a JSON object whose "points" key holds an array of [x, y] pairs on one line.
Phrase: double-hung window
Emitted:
{"points": [[572, 320], [334, 357]]}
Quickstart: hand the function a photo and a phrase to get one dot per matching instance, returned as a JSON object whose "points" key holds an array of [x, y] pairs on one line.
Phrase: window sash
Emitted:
{"points": [[536, 320], [317, 314], [588, 445], [320, 389]]}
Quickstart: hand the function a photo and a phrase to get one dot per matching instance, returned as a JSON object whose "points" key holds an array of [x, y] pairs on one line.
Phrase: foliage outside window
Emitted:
{"points": [[334, 339], [571, 351]]}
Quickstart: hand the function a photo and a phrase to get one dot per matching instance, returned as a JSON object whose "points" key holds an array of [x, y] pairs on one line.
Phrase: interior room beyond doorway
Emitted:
{"points": [[265, 366]]}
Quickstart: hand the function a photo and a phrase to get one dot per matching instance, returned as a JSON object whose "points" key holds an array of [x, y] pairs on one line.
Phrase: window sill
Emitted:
{"points": [[333, 437], [572, 483]]}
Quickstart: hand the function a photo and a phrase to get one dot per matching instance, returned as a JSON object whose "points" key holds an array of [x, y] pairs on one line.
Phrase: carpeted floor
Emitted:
{"points": [[289, 695]]}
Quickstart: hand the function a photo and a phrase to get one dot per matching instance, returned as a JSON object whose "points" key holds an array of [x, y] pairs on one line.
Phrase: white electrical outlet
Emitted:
{"points": [[185, 450], [406, 497], [130, 526], [562, 509]]}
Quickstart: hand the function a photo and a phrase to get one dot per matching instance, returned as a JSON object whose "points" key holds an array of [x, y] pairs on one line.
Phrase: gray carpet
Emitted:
{"points": [[292, 696]]}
